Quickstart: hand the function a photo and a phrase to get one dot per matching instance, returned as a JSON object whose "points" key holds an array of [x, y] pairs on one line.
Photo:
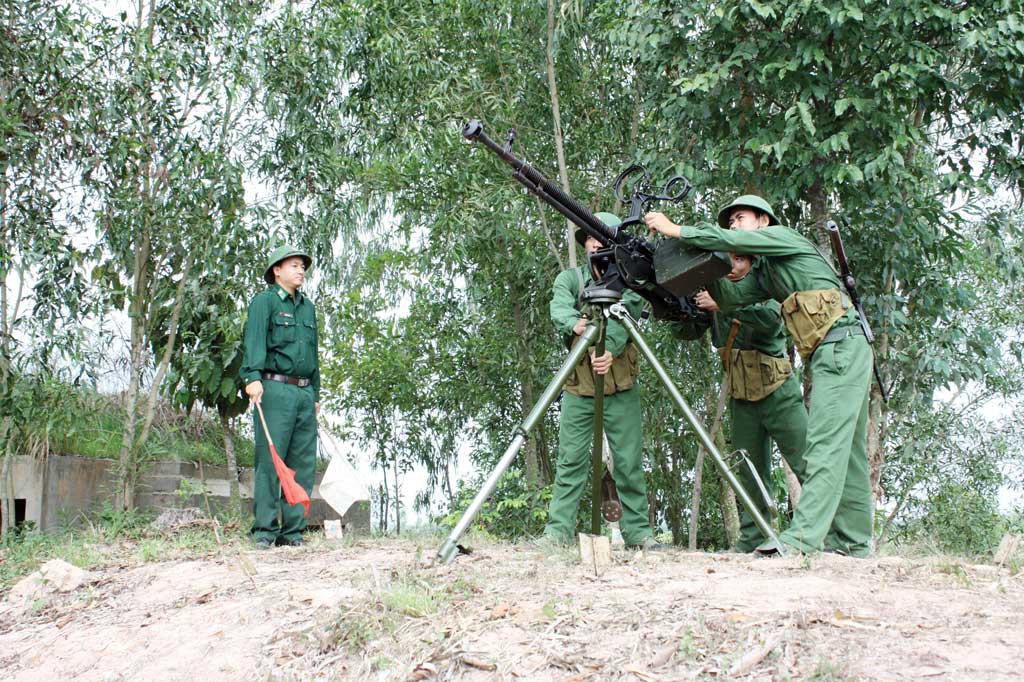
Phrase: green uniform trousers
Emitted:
{"points": [[291, 419], [781, 417], [623, 424], [836, 500]]}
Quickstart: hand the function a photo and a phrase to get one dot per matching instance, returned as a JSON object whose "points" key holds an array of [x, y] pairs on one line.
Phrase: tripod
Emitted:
{"points": [[602, 304]]}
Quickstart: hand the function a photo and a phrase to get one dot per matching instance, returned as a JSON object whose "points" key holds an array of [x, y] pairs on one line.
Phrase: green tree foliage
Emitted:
{"points": [[43, 292], [870, 112], [165, 150]]}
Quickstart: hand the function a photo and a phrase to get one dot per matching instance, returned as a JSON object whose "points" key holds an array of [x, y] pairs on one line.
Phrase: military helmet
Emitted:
{"points": [[747, 201], [278, 255], [609, 219]]}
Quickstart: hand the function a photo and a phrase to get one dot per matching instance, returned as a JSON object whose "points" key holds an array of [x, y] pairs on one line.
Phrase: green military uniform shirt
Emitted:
{"points": [[281, 337], [792, 264], [565, 311], [760, 329]]}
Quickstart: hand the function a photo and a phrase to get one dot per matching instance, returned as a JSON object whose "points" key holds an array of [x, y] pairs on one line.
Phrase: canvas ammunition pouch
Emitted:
{"points": [[754, 375], [809, 315], [620, 378]]}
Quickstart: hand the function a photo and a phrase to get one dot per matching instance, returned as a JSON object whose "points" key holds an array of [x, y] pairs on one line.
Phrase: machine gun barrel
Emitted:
{"points": [[535, 182], [631, 258]]}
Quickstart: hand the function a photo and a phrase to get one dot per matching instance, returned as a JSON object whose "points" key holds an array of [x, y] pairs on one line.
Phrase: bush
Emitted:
{"points": [[960, 521], [512, 512]]}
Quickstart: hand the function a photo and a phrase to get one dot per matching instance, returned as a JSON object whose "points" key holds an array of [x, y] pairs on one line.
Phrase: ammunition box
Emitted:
{"points": [[684, 270]]}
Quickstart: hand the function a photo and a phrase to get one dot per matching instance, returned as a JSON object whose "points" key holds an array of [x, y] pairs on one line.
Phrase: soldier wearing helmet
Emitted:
{"points": [[281, 371], [623, 421], [836, 507]]}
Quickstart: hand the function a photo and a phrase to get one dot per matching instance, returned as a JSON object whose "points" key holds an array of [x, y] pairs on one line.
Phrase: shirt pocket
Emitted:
{"points": [[309, 334], [283, 332]]}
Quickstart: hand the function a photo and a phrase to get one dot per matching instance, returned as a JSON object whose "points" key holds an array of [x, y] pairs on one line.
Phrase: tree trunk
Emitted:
{"points": [[398, 503], [730, 512], [7, 507], [127, 457], [165, 360], [556, 116], [876, 425], [526, 392], [6, 381], [698, 484], [792, 485], [232, 461], [698, 476], [382, 495]]}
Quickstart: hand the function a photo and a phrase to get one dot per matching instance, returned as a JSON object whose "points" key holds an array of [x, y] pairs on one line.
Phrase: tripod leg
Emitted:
{"points": [[768, 502], [450, 546], [702, 434]]}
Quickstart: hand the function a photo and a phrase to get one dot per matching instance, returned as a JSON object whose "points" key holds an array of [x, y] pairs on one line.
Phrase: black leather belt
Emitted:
{"points": [[285, 379]]}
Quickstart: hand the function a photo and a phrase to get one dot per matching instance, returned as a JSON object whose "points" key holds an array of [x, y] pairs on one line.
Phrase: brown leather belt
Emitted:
{"points": [[285, 379]]}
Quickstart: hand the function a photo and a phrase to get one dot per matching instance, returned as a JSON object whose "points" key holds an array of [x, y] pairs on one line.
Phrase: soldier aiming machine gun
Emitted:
{"points": [[667, 275]]}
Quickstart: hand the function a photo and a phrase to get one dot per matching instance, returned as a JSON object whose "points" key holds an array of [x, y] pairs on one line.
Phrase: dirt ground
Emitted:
{"points": [[380, 610]]}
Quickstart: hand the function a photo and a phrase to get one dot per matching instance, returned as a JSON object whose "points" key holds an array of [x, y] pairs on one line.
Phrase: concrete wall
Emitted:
{"points": [[59, 488]]}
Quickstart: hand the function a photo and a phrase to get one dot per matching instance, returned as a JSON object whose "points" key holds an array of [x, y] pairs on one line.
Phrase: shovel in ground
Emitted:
{"points": [[293, 492]]}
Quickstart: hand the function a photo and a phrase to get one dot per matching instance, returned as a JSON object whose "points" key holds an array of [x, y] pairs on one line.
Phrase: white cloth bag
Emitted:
{"points": [[340, 486]]}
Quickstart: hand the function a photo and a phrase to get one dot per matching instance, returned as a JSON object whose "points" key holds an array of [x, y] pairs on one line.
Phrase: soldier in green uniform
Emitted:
{"points": [[836, 506], [623, 421], [765, 402], [281, 371]]}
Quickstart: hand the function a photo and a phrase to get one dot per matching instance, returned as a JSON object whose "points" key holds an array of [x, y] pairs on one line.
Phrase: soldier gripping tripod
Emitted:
{"points": [[623, 421]]}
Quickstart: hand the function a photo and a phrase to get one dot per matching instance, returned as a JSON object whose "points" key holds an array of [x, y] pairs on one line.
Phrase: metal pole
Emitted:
{"points": [[619, 312], [450, 547], [596, 461]]}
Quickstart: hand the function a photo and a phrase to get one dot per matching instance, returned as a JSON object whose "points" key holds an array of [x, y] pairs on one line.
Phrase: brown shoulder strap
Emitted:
{"points": [[727, 356]]}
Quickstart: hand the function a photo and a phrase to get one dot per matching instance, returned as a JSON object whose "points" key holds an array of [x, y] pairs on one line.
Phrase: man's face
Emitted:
{"points": [[291, 272], [591, 245], [743, 218], [740, 267]]}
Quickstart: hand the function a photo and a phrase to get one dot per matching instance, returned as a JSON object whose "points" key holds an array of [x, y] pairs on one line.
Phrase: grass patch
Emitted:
{"points": [[379, 616], [827, 671], [24, 550], [410, 599], [74, 420], [107, 535]]}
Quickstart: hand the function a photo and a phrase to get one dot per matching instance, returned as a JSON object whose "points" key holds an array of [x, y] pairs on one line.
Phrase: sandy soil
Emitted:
{"points": [[380, 610]]}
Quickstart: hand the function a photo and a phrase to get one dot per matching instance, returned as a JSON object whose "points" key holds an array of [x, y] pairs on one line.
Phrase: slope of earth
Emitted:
{"points": [[380, 610]]}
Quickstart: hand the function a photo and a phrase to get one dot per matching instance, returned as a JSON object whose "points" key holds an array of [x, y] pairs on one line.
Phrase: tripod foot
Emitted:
{"points": [[449, 550]]}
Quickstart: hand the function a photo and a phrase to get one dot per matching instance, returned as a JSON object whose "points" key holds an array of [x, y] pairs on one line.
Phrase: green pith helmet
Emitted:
{"points": [[747, 201], [609, 219], [279, 254]]}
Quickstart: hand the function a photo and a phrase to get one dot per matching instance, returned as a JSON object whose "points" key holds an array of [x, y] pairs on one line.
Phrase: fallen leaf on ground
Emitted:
{"points": [[478, 663]]}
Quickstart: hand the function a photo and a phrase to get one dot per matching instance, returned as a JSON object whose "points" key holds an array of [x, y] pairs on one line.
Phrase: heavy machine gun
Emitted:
{"points": [[666, 274]]}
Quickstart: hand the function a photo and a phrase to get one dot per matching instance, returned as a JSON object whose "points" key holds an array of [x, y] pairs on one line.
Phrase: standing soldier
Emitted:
{"points": [[623, 422], [765, 402], [281, 372], [836, 506]]}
